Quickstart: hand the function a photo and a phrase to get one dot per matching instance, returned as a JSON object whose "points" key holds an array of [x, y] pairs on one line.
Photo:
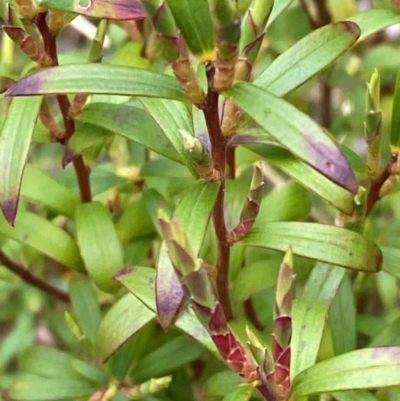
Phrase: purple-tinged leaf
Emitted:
{"points": [[107, 9], [169, 290], [300, 171], [295, 131], [100, 79], [140, 281], [15, 139]]}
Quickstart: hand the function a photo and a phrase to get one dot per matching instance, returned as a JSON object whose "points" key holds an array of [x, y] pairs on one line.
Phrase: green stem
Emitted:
{"points": [[218, 153]]}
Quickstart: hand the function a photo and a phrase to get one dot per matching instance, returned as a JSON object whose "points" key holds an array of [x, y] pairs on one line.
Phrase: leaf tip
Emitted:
{"points": [[125, 270], [9, 208]]}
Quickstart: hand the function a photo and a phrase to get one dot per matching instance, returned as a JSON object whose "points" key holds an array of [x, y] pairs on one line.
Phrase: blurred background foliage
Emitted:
{"points": [[121, 169]]}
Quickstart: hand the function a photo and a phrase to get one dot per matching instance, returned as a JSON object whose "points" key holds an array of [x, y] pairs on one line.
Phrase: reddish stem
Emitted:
{"points": [[218, 153], [81, 171], [373, 193], [32, 280]]}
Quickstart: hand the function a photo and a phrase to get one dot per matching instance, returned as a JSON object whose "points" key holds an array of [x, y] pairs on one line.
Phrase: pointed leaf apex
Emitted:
{"points": [[9, 208], [288, 258]]}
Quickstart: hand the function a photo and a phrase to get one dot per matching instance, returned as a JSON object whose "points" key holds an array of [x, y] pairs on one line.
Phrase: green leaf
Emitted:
{"points": [[131, 123], [194, 21], [354, 396], [85, 305], [99, 79], [52, 363], [48, 191], [194, 211], [135, 211], [309, 315], [168, 357], [297, 132], [126, 317], [395, 127], [173, 118], [391, 257], [361, 369], [374, 20], [286, 202], [119, 10], [306, 175], [242, 392], [329, 244], [44, 236], [15, 139], [98, 244], [307, 57], [36, 388], [342, 318], [88, 139], [278, 8]]}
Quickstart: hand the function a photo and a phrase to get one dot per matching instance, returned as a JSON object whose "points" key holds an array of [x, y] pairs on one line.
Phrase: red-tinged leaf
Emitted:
{"points": [[297, 132], [109, 9], [15, 140]]}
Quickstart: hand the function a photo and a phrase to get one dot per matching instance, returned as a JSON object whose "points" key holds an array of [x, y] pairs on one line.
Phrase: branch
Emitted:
{"points": [[81, 171], [218, 154], [373, 193], [32, 280]]}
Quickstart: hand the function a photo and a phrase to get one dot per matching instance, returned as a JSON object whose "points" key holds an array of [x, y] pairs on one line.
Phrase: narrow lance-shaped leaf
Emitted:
{"points": [[309, 315], [116, 327], [15, 139], [361, 369], [278, 8], [372, 126], [308, 57], [99, 244], [132, 123], [194, 21], [163, 22], [333, 245], [282, 331], [44, 236], [374, 20], [300, 171], [100, 79], [173, 117], [250, 208], [110, 9], [296, 131], [253, 26], [395, 128]]}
